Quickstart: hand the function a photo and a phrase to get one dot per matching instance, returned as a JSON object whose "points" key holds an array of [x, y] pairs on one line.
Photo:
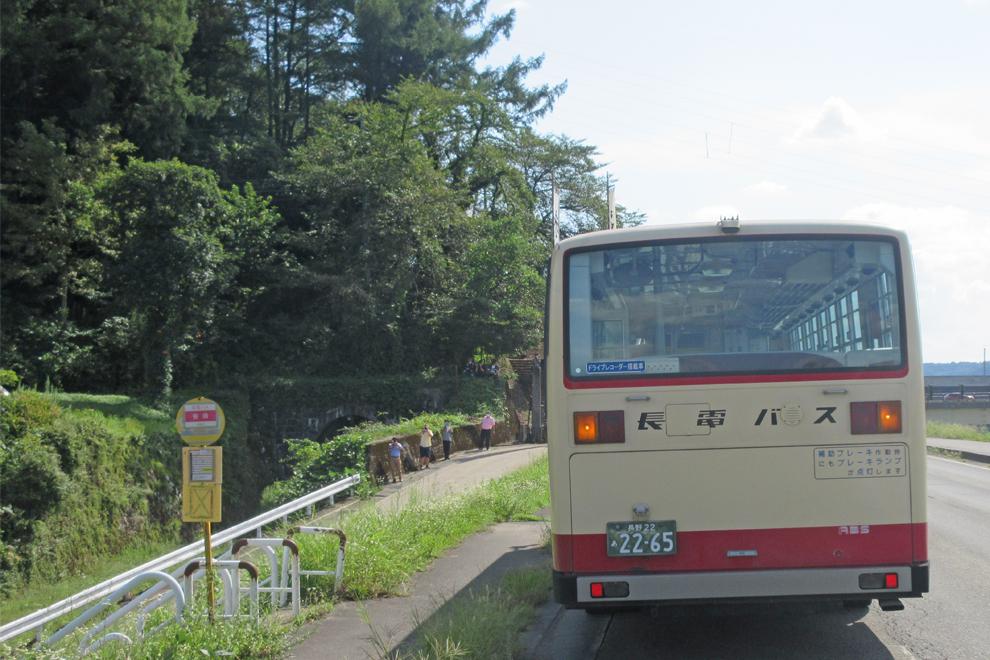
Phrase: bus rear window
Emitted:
{"points": [[791, 304]]}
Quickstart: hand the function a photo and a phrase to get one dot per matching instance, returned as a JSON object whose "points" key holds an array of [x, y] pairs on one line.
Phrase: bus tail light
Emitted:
{"points": [[878, 581], [609, 589], [875, 417], [608, 426]]}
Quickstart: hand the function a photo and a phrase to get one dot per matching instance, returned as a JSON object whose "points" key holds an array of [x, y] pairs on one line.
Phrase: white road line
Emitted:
{"points": [[955, 462]]}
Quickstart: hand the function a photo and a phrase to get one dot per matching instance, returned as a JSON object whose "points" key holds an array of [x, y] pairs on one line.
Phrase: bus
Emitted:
{"points": [[735, 414]]}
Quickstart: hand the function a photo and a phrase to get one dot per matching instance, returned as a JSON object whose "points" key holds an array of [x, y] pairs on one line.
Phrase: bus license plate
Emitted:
{"points": [[637, 539]]}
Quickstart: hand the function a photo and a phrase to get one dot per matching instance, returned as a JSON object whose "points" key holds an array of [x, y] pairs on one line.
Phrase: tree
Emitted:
{"points": [[434, 41], [380, 235], [52, 247], [169, 220], [83, 64]]}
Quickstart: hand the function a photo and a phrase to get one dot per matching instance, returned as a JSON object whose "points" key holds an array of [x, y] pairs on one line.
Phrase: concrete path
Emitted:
{"points": [[971, 450], [481, 559]]}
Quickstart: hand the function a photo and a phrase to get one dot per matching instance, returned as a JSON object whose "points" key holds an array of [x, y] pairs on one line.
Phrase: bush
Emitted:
{"points": [[9, 379], [314, 465], [75, 488]]}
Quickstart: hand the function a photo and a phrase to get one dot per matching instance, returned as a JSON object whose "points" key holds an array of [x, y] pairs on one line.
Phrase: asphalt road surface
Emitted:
{"points": [[952, 621]]}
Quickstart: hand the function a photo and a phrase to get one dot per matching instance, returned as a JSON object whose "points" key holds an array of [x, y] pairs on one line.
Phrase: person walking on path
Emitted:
{"points": [[487, 424], [395, 459], [447, 436], [425, 445]]}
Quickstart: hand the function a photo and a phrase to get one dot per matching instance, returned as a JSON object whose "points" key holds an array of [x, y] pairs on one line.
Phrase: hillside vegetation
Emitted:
{"points": [[79, 485], [86, 477]]}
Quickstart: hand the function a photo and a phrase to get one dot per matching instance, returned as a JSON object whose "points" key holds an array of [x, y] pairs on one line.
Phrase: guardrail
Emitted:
{"points": [[37, 620]]}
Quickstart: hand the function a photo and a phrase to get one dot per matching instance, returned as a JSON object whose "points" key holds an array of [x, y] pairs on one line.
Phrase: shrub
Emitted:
{"points": [[9, 379], [74, 489], [314, 465]]}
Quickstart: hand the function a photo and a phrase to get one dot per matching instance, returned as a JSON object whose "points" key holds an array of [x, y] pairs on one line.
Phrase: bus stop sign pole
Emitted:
{"points": [[200, 422]]}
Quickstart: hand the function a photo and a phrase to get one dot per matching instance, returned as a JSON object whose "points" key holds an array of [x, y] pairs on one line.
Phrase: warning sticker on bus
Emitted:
{"points": [[620, 366], [860, 462]]}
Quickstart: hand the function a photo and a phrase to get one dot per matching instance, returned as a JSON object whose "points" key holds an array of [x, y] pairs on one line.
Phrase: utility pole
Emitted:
{"points": [[612, 222]]}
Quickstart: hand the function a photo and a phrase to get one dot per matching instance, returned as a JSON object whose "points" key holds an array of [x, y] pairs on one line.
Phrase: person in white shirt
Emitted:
{"points": [[425, 445], [447, 436]]}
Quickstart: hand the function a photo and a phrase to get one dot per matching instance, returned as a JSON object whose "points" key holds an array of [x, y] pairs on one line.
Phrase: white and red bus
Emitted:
{"points": [[735, 413]]}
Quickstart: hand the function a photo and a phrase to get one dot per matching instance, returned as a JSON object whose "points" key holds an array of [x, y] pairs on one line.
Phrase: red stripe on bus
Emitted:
{"points": [[920, 532], [798, 547], [572, 384]]}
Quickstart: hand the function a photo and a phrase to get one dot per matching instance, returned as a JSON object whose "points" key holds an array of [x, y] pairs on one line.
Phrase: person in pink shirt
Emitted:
{"points": [[487, 424]]}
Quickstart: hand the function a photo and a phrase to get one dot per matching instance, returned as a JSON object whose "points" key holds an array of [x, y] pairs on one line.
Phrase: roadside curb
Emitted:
{"points": [[965, 455]]}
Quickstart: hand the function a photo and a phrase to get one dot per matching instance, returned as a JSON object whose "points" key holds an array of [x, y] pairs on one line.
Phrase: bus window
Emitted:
{"points": [[767, 305]]}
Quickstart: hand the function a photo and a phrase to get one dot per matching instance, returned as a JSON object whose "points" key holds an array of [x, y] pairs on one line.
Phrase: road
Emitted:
{"points": [[953, 621]]}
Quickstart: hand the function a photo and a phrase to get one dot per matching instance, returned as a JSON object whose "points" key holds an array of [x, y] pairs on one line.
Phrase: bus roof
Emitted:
{"points": [[711, 230]]}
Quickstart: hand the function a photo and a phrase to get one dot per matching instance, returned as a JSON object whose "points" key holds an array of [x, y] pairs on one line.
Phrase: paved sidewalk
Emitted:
{"points": [[971, 450], [481, 559]]}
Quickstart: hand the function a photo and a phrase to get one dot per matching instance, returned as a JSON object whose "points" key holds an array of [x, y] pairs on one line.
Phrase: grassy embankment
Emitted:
{"points": [[956, 432], [91, 488], [90, 482], [385, 548], [82, 495]]}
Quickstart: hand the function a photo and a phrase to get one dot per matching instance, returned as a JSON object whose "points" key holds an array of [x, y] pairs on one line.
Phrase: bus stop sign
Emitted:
{"points": [[200, 422]]}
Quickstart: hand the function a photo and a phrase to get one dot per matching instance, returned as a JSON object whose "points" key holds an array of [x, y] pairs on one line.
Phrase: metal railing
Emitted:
{"points": [[35, 621]]}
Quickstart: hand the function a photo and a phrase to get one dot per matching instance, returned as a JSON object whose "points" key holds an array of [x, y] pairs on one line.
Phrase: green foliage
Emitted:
{"points": [[385, 547], [957, 432], [173, 225], [9, 379], [356, 193], [477, 396], [197, 637], [88, 64], [73, 488], [315, 465], [420, 39], [485, 623]]}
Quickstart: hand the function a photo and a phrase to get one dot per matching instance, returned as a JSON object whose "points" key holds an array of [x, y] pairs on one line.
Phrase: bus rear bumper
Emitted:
{"points": [[816, 584]]}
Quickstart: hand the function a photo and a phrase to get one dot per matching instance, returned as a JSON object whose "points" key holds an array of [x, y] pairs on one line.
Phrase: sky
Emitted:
{"points": [[874, 111]]}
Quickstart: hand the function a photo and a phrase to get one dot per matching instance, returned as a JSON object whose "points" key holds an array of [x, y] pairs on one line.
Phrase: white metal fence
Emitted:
{"points": [[36, 621]]}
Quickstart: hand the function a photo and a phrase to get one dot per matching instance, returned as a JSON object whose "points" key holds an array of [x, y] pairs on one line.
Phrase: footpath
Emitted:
{"points": [[970, 450], [349, 632]]}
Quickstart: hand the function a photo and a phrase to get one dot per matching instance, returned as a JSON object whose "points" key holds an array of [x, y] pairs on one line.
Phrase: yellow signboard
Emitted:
{"points": [[200, 422], [202, 476]]}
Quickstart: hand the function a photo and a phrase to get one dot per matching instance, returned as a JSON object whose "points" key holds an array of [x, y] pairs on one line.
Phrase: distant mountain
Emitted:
{"points": [[955, 369]]}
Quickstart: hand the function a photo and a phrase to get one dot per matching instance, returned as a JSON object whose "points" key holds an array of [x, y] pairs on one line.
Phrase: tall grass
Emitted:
{"points": [[385, 547], [486, 623], [956, 432]]}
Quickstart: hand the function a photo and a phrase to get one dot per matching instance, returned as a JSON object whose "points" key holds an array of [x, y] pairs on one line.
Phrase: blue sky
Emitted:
{"points": [[857, 111]]}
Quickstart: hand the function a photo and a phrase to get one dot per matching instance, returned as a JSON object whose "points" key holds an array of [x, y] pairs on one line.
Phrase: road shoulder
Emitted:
{"points": [[483, 559]]}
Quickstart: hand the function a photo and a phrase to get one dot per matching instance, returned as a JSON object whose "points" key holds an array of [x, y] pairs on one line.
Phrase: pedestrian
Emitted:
{"points": [[425, 445], [447, 435], [395, 459], [487, 424]]}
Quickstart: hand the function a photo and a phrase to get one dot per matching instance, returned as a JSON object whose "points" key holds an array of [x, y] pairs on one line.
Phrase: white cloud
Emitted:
{"points": [[835, 120], [765, 189], [715, 212], [950, 247]]}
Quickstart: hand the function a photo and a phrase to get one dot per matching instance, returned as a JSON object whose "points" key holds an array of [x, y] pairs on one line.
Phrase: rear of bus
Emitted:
{"points": [[735, 414]]}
